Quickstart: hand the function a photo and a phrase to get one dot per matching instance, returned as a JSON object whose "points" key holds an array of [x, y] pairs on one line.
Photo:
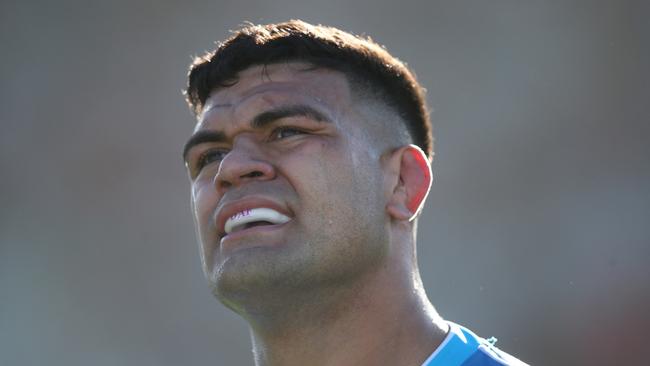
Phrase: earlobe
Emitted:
{"points": [[412, 185]]}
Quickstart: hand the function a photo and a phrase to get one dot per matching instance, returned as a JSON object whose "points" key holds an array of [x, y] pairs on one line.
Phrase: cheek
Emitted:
{"points": [[203, 205], [335, 175], [318, 163], [203, 202]]}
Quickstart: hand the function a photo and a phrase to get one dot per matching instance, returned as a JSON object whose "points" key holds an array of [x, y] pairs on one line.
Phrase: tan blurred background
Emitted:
{"points": [[537, 230]]}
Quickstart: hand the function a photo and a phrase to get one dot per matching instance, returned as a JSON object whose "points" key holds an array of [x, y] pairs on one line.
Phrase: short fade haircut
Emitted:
{"points": [[365, 63]]}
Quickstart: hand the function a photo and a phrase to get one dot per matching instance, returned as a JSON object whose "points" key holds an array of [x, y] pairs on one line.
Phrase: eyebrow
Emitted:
{"points": [[259, 121]]}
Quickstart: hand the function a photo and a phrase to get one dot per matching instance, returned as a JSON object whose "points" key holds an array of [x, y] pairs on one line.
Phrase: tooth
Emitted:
{"points": [[256, 214]]}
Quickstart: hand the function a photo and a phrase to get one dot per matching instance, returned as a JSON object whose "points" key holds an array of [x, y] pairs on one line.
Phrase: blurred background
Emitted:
{"points": [[537, 230]]}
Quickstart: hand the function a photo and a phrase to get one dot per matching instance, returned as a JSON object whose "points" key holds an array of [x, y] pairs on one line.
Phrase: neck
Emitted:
{"points": [[384, 318]]}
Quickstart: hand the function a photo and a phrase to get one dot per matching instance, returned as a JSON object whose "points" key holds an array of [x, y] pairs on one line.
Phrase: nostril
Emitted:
{"points": [[239, 167], [253, 174]]}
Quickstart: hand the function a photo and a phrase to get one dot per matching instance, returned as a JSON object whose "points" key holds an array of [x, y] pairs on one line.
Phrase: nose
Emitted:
{"points": [[244, 163]]}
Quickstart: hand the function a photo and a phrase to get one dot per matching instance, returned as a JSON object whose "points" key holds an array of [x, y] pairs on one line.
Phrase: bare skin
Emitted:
{"points": [[338, 284]]}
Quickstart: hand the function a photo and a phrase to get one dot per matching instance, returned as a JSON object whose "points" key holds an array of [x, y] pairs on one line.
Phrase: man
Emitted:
{"points": [[309, 165]]}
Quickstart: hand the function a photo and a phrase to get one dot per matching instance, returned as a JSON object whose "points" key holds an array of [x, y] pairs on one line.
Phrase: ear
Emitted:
{"points": [[409, 178]]}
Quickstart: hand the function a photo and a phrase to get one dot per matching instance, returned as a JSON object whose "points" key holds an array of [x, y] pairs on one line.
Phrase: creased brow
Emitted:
{"points": [[201, 137], [296, 110], [259, 121]]}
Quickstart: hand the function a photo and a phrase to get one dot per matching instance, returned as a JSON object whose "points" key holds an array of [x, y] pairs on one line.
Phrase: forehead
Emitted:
{"points": [[260, 87]]}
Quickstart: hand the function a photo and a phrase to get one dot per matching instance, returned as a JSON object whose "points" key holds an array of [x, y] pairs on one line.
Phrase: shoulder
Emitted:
{"points": [[462, 347], [487, 354]]}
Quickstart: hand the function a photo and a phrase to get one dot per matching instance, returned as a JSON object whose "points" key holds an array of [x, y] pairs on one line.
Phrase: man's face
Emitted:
{"points": [[287, 187]]}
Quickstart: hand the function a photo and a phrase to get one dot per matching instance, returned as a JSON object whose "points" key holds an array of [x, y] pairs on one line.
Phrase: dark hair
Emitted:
{"points": [[363, 61]]}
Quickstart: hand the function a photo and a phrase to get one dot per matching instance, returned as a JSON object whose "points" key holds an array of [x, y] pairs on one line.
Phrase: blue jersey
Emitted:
{"points": [[462, 347]]}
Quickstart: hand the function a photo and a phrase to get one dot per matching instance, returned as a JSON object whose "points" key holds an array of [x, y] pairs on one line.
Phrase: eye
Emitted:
{"points": [[284, 132], [209, 157]]}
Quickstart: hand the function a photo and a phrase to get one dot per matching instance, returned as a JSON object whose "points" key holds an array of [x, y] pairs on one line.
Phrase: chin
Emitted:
{"points": [[256, 272]]}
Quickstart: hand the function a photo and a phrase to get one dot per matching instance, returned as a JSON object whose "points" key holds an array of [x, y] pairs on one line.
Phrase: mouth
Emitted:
{"points": [[249, 218]]}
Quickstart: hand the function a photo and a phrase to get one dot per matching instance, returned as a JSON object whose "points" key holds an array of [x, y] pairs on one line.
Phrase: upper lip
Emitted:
{"points": [[229, 209]]}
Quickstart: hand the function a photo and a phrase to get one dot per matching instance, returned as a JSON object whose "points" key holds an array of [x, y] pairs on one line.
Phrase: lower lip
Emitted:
{"points": [[229, 242]]}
